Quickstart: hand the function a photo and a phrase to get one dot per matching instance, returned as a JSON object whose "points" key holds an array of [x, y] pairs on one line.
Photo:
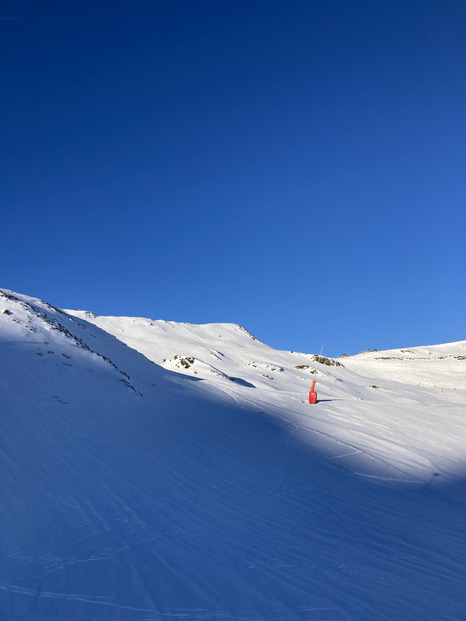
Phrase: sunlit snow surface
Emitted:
{"points": [[161, 471]]}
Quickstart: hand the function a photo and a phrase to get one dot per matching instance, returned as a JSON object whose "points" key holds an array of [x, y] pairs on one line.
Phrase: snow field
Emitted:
{"points": [[135, 489]]}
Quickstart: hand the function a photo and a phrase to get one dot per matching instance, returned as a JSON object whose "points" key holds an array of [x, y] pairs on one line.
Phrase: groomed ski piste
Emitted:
{"points": [[161, 471]]}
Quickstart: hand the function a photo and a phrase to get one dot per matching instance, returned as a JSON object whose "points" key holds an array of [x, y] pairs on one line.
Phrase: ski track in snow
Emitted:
{"points": [[155, 471]]}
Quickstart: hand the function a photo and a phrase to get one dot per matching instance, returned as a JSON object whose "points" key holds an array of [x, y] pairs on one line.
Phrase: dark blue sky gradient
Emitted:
{"points": [[297, 167]]}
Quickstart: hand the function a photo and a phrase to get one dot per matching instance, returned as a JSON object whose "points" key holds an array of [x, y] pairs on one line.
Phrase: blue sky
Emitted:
{"points": [[297, 167]]}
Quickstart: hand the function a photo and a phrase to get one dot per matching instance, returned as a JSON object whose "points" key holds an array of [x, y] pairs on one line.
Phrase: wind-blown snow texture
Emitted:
{"points": [[159, 471]]}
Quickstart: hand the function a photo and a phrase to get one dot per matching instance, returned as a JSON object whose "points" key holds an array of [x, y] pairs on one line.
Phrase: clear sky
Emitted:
{"points": [[298, 167]]}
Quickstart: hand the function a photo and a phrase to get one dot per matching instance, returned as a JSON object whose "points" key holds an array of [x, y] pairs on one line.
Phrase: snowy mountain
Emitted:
{"points": [[156, 471]]}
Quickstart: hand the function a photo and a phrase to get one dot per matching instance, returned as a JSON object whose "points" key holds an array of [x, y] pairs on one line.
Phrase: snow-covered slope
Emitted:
{"points": [[154, 470], [437, 366]]}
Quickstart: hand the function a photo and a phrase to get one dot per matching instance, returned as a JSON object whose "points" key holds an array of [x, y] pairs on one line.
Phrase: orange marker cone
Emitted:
{"points": [[312, 394]]}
